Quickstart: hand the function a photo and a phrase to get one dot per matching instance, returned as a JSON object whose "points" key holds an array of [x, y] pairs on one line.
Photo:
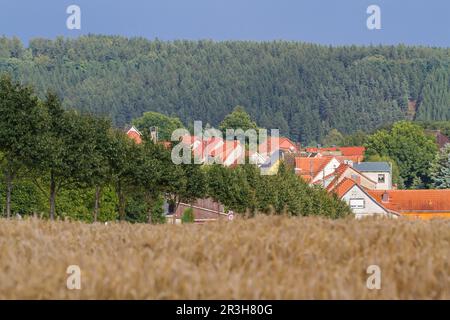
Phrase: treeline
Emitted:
{"points": [[59, 163], [305, 90]]}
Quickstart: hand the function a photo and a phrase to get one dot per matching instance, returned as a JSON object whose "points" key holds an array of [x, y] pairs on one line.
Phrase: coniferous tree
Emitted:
{"points": [[440, 170]]}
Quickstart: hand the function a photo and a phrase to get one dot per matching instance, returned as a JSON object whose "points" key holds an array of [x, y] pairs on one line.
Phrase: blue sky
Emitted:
{"points": [[336, 22]]}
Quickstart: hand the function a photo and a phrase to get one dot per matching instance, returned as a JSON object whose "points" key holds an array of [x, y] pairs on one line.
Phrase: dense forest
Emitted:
{"points": [[305, 90]]}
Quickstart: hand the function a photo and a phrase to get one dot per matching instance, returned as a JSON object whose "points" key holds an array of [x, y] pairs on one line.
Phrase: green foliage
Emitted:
{"points": [[246, 191], [158, 216], [166, 125], [229, 187], [86, 170], [436, 96], [409, 147], [137, 209], [152, 173], [303, 89], [72, 150], [296, 197], [359, 138], [26, 199], [188, 216], [78, 204], [443, 126], [440, 170], [238, 119], [186, 184], [121, 154], [21, 121], [333, 138]]}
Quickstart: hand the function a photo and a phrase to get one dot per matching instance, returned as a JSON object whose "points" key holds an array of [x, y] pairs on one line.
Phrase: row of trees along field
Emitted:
{"points": [[63, 163], [305, 90]]}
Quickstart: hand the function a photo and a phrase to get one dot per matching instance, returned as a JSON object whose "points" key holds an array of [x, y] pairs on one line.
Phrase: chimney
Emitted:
{"points": [[154, 134], [385, 197]]}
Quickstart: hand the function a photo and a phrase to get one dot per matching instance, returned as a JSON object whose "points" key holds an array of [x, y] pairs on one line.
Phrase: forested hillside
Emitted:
{"points": [[305, 90]]}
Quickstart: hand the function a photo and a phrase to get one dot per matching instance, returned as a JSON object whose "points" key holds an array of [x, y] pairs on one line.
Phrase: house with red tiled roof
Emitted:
{"points": [[135, 135], [423, 204], [228, 154], [343, 154], [278, 143], [315, 169], [345, 171], [328, 171], [361, 202], [215, 150]]}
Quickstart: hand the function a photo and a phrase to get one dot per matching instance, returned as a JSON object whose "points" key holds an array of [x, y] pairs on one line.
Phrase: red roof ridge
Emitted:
{"points": [[344, 186], [322, 162]]}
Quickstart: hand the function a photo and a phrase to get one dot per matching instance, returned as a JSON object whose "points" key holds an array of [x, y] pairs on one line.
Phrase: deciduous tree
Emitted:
{"points": [[408, 145]]}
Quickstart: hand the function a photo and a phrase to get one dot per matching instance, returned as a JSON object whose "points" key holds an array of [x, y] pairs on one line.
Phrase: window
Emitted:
{"points": [[381, 178], [357, 203]]}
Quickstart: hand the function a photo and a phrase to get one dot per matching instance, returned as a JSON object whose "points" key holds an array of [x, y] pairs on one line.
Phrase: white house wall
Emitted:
{"points": [[371, 207], [387, 185]]}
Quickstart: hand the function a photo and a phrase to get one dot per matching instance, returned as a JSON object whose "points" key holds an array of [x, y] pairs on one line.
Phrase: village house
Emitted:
{"points": [[313, 170], [345, 171], [278, 143], [380, 172], [134, 134], [423, 204], [343, 154], [270, 152], [227, 153], [216, 150], [329, 166], [365, 186], [362, 203], [272, 163], [417, 204]]}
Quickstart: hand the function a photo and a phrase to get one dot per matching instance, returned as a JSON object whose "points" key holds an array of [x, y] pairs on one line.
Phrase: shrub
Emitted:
{"points": [[188, 216]]}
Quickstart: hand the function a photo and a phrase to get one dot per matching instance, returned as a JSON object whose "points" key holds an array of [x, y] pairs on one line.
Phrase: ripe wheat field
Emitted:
{"points": [[260, 258]]}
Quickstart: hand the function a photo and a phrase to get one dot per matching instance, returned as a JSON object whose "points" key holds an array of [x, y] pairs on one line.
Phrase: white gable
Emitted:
{"points": [[134, 129], [329, 168], [362, 204]]}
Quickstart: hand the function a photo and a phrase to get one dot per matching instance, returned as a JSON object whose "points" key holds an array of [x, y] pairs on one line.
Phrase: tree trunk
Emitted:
{"points": [[9, 187], [150, 203], [174, 219], [150, 215], [52, 197], [121, 197], [98, 192]]}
